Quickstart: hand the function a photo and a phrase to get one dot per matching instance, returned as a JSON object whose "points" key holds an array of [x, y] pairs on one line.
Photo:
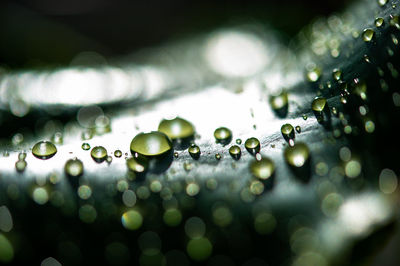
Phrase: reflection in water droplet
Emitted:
{"points": [[73, 167], [176, 128], [99, 154], [263, 168], [297, 155], [151, 144], [44, 150]]}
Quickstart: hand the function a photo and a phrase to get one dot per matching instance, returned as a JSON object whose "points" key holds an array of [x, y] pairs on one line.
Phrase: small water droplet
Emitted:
{"points": [[194, 151], [297, 155], [368, 35], [85, 146], [58, 138], [218, 156], [99, 154], [287, 131], [235, 152], [21, 156], [117, 153], [137, 164], [382, 2], [319, 104], [337, 74], [252, 145], [298, 129], [20, 165], [44, 150], [394, 21], [314, 74], [223, 135], [238, 141], [263, 168], [73, 167], [279, 103], [379, 22]]}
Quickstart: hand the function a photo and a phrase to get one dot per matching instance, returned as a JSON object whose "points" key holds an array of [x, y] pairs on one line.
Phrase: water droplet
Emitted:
{"points": [[319, 105], [298, 129], [99, 154], [176, 154], [379, 22], [58, 138], [382, 2], [238, 141], [287, 131], [20, 165], [85, 146], [192, 189], [337, 74], [137, 164], [314, 74], [223, 135], [73, 167], [368, 35], [218, 156], [21, 156], [84, 192], [44, 150], [263, 168], [279, 103], [252, 145], [151, 144], [297, 155], [194, 151], [132, 220], [235, 152], [176, 128], [394, 21], [304, 117], [109, 159], [118, 153], [102, 125]]}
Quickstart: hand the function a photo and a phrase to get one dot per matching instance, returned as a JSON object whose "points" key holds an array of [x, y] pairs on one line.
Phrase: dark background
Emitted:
{"points": [[47, 32]]}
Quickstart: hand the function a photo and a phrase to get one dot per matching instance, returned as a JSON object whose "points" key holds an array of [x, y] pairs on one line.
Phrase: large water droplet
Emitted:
{"points": [[44, 150], [235, 152], [252, 145], [176, 128], [151, 144], [194, 151]]}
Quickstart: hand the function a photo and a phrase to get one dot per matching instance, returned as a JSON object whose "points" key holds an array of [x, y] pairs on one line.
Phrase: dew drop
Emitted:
{"points": [[287, 131], [263, 168], [20, 165], [279, 103], [252, 145], [151, 144], [44, 150], [118, 153], [137, 164], [73, 167], [394, 21], [314, 74], [194, 151], [319, 104], [379, 22], [298, 129], [99, 154], [176, 128], [368, 35], [85, 146], [235, 152], [297, 155], [337, 74], [223, 135], [218, 156]]}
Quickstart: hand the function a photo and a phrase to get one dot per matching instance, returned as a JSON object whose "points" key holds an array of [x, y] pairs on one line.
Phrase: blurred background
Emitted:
{"points": [[37, 33]]}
